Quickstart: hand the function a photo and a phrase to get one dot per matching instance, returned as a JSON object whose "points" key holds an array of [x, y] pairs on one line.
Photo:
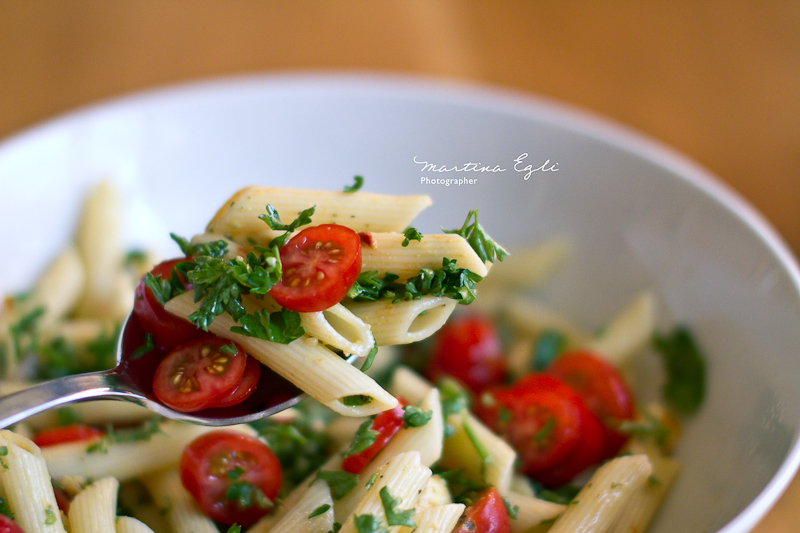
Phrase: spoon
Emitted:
{"points": [[131, 380]]}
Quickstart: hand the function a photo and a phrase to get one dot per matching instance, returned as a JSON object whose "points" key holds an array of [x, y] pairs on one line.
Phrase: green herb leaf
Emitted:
{"points": [[356, 400], [364, 438], [359, 181], [649, 427], [49, 517], [486, 248], [411, 234], [370, 358], [5, 509], [148, 346], [477, 443], [216, 249], [273, 220], [235, 528], [322, 509], [280, 326], [246, 495], [339, 482], [454, 398], [415, 417], [686, 372], [149, 427], [395, 516], [448, 281], [547, 347], [367, 523]]}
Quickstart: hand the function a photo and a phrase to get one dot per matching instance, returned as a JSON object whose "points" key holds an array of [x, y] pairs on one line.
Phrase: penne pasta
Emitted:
{"points": [[404, 322], [339, 328], [628, 332], [361, 211], [178, 506], [94, 509]]}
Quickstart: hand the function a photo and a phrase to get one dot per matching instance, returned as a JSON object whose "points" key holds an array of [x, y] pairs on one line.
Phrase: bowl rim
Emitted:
{"points": [[489, 97]]}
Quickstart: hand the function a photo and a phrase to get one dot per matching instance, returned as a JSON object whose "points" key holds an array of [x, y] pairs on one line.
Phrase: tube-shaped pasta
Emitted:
{"points": [[94, 509], [361, 211], [180, 509], [27, 487], [602, 499], [316, 501], [127, 524], [628, 332], [338, 327], [385, 252], [531, 511], [305, 362], [404, 322]]}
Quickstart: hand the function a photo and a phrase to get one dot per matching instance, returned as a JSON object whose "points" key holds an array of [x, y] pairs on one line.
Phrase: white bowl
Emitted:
{"points": [[640, 216]]}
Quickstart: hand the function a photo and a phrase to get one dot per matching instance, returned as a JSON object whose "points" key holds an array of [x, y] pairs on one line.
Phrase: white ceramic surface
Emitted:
{"points": [[640, 216]]}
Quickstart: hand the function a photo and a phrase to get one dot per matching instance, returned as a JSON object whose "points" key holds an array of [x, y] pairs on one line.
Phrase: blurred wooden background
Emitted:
{"points": [[717, 80]]}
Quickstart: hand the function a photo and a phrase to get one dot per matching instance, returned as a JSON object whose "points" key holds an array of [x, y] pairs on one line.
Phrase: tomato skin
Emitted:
{"points": [[541, 424], [592, 440], [63, 434], [601, 387], [246, 387], [7, 525], [487, 515], [386, 424], [168, 330], [319, 264], [205, 466], [468, 349], [196, 375]]}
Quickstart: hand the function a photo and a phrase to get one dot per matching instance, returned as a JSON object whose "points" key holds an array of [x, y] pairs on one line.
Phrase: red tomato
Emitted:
{"points": [[197, 375], [246, 387], [541, 424], [487, 515], [320, 264], [591, 442], [467, 348], [71, 433], [215, 461], [601, 387], [167, 330], [9, 526], [386, 424]]}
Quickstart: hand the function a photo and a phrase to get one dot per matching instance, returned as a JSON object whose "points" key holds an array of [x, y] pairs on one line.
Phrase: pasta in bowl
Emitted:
{"points": [[468, 439]]}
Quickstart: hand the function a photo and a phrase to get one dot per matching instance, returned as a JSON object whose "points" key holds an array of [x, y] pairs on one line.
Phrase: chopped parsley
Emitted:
{"points": [[235, 528], [512, 511], [356, 400], [49, 516], [3, 455], [148, 346], [486, 248], [685, 366], [370, 358], [364, 438], [411, 234], [649, 427], [150, 427], [358, 182], [339, 482], [395, 516], [244, 493], [281, 326], [415, 417], [448, 281], [480, 447], [367, 523], [273, 220], [322, 509], [547, 347], [5, 509]]}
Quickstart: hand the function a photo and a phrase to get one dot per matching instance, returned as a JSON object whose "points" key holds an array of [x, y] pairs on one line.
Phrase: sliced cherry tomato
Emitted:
{"points": [[71, 433], [246, 387], [601, 387], [591, 443], [487, 515], [9, 526], [168, 330], [386, 424], [221, 467], [468, 349], [320, 264], [541, 424], [199, 374]]}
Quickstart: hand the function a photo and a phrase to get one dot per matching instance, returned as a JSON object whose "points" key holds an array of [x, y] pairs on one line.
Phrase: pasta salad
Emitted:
{"points": [[508, 418]]}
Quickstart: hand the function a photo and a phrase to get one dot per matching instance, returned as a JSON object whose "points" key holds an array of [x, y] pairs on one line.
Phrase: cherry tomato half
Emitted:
{"points": [[62, 434], [9, 526], [320, 264], [246, 387], [386, 424], [487, 515], [467, 348], [167, 330], [541, 424], [601, 387], [220, 467], [199, 374], [591, 441]]}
